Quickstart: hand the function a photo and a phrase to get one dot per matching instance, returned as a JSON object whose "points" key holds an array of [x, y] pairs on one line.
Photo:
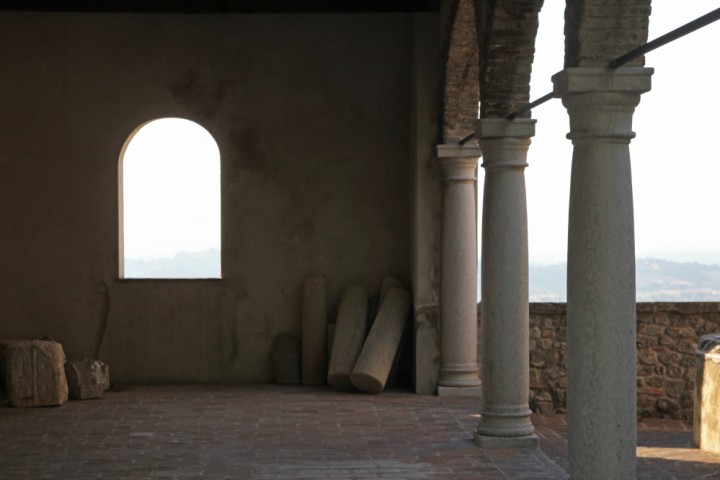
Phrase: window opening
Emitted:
{"points": [[169, 198]]}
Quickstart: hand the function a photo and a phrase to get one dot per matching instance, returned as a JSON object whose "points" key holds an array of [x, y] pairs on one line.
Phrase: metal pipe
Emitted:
{"points": [[531, 105]]}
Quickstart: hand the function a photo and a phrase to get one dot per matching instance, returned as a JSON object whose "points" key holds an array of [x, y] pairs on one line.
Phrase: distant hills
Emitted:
{"points": [[205, 264], [657, 280]]}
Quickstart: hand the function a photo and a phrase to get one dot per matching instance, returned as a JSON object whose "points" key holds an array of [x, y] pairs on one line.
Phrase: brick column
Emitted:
{"points": [[459, 372], [601, 271], [505, 415]]}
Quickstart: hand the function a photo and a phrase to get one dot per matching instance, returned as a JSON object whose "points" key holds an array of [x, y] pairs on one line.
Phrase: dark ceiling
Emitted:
{"points": [[221, 6]]}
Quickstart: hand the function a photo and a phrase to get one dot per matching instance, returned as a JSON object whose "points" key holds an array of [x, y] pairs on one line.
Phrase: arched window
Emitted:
{"points": [[169, 192]]}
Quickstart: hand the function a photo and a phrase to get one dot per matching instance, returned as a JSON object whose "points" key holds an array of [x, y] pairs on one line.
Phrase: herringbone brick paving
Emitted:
{"points": [[265, 432]]}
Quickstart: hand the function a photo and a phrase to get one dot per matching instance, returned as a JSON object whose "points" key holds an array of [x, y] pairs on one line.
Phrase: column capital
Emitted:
{"points": [[601, 101], [505, 142], [487, 128], [458, 162], [576, 80]]}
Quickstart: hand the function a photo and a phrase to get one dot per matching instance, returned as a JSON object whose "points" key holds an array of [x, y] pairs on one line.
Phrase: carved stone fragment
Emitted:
{"points": [[87, 378], [34, 373]]}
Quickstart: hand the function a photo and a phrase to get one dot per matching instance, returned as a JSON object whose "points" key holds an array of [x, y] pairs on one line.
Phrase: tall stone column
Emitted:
{"points": [[505, 315], [459, 372], [601, 271]]}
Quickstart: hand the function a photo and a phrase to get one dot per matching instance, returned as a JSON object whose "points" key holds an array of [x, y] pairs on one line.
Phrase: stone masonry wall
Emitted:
{"points": [[462, 92], [597, 31], [667, 335], [506, 33]]}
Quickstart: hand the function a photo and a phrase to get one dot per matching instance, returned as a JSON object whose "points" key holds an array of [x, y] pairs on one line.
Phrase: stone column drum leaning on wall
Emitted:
{"points": [[376, 358], [350, 330]]}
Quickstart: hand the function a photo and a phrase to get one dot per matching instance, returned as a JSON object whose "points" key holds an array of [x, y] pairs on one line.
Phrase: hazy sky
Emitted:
{"points": [[675, 162], [171, 179]]}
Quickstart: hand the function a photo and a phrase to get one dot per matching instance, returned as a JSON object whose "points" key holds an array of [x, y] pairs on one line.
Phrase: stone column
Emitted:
{"points": [[505, 315], [459, 372], [601, 271]]}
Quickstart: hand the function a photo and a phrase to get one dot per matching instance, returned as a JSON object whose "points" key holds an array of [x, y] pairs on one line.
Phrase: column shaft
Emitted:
{"points": [[505, 416], [459, 372], [601, 271]]}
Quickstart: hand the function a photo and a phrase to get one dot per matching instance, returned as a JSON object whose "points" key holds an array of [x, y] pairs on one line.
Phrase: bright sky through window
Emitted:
{"points": [[171, 201]]}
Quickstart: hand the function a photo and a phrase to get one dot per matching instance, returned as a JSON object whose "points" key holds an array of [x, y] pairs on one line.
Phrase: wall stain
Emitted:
{"points": [[198, 96], [247, 151]]}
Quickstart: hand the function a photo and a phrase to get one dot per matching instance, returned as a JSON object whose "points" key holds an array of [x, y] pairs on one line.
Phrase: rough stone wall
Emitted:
{"points": [[666, 340], [462, 92], [506, 34], [597, 31]]}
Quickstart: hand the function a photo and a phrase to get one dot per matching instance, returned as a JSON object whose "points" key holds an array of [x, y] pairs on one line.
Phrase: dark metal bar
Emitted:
{"points": [[690, 27], [467, 139], [531, 105]]}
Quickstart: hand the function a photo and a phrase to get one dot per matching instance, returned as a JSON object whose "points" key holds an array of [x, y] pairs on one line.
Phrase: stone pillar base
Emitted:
{"points": [[459, 391], [526, 441]]}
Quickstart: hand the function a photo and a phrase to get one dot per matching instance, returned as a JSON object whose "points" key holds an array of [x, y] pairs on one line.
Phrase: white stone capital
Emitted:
{"points": [[458, 163], [601, 101], [580, 80], [504, 142]]}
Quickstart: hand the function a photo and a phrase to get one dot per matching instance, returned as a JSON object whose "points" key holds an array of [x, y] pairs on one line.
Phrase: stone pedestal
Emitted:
{"points": [[350, 331], [706, 410], [314, 331], [601, 312], [459, 372], [376, 358], [34, 373], [505, 414]]}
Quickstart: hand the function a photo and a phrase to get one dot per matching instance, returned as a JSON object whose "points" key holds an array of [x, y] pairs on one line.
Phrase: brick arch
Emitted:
{"points": [[597, 31], [506, 31], [462, 92]]}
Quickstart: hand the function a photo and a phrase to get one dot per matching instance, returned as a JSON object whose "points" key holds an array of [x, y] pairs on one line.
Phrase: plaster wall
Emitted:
{"points": [[312, 114]]}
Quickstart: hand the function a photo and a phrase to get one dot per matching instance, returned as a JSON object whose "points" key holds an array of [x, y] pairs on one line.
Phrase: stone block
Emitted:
{"points": [[87, 378], [34, 373], [286, 359], [706, 415]]}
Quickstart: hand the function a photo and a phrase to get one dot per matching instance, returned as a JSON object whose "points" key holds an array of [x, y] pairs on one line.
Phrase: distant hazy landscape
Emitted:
{"points": [[205, 264], [657, 279]]}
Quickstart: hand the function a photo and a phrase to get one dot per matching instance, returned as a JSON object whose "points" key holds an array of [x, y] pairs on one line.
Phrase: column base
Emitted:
{"points": [[470, 391], [525, 441]]}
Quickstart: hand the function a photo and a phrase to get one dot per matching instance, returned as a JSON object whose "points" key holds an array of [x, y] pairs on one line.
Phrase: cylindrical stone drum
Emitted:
{"points": [[350, 330], [314, 331], [376, 358]]}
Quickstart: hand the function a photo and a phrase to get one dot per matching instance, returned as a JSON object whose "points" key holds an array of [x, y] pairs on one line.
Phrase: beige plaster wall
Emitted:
{"points": [[312, 116]]}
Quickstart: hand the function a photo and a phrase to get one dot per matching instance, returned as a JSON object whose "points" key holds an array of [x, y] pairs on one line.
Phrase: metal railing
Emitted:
{"points": [[689, 27]]}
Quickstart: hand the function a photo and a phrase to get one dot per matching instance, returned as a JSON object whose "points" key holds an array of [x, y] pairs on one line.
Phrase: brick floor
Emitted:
{"points": [[273, 432]]}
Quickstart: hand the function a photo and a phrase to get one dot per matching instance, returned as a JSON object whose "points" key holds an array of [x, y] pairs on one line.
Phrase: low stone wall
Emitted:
{"points": [[667, 335]]}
